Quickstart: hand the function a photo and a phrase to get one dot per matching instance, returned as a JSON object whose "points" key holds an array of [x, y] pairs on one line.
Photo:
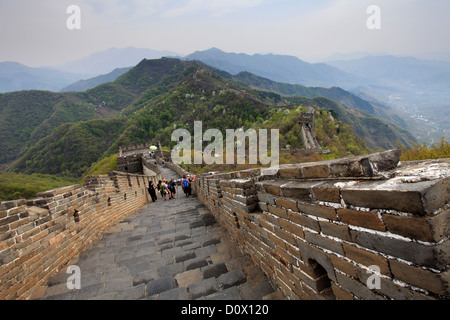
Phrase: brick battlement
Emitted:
{"points": [[39, 236], [318, 229]]}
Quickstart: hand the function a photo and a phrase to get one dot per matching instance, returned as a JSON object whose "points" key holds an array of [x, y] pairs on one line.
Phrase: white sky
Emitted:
{"points": [[34, 32]]}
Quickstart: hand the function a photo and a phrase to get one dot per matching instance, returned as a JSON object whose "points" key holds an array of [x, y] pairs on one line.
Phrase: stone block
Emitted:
{"points": [[291, 227], [280, 212], [434, 257], [316, 210], [174, 294], [343, 265], [419, 277], [203, 288], [315, 171], [187, 278], [159, 285], [326, 191], [360, 290], [303, 220], [272, 187], [417, 228], [266, 198], [290, 172], [287, 204], [297, 190], [232, 278], [335, 230], [421, 198], [366, 258], [363, 219], [324, 242], [214, 270]]}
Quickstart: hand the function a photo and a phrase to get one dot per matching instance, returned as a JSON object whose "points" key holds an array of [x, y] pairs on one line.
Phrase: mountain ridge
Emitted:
{"points": [[156, 97]]}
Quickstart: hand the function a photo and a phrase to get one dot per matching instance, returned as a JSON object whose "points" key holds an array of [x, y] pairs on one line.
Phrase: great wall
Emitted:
{"points": [[324, 230]]}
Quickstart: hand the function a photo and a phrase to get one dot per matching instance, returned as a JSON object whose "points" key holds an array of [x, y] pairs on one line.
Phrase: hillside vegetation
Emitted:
{"points": [[66, 133], [425, 152], [331, 134], [15, 186]]}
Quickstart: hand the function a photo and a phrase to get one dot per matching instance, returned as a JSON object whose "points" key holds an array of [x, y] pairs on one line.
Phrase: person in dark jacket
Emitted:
{"points": [[172, 188], [152, 191]]}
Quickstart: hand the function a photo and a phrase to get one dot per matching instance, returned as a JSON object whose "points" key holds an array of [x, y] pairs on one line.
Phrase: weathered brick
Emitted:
{"points": [[340, 293], [286, 203], [316, 171], [358, 218], [435, 257], [290, 172], [297, 190], [318, 211], [335, 230], [278, 241], [304, 220], [275, 220], [343, 265], [419, 277], [272, 187], [8, 220], [390, 288], [317, 284], [411, 227], [280, 212], [326, 191], [266, 198], [366, 258], [286, 236], [324, 242], [265, 224], [440, 224], [418, 198], [292, 228], [359, 289]]}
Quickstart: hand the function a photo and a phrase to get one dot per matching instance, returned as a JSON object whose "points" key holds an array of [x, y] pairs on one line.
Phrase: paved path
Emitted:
{"points": [[169, 250]]}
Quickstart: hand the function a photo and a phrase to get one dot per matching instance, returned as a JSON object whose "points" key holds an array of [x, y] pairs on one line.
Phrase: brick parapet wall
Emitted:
{"points": [[39, 236], [318, 229]]}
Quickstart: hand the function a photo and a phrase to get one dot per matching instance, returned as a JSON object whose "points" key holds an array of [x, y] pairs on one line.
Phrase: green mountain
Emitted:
{"points": [[148, 103]]}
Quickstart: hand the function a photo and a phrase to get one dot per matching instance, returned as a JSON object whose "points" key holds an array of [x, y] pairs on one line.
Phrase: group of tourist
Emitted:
{"points": [[169, 189]]}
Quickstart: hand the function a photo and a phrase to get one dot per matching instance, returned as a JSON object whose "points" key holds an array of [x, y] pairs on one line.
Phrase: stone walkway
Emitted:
{"points": [[169, 250]]}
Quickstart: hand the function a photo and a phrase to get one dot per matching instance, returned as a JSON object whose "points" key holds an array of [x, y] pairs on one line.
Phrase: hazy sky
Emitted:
{"points": [[34, 32]]}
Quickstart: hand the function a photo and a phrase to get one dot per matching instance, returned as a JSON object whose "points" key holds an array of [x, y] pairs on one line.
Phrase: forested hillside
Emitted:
{"points": [[66, 133]]}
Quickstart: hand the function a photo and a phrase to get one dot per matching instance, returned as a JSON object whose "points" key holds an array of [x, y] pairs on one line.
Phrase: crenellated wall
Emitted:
{"points": [[39, 236], [357, 228]]}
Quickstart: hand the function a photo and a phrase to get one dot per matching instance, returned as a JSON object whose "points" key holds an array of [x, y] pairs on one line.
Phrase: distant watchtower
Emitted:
{"points": [[307, 118], [306, 121]]}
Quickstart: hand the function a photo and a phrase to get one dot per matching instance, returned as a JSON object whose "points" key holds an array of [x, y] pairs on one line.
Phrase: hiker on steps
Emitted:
{"points": [[186, 185], [152, 191]]}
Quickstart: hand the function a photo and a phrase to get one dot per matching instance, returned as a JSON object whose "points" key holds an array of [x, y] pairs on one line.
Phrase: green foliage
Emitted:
{"points": [[425, 152], [104, 166], [71, 149], [15, 186]]}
